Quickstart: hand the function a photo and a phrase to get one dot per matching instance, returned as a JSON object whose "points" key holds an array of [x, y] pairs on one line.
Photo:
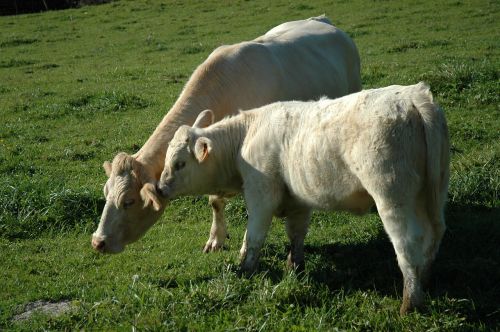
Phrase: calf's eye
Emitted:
{"points": [[128, 203], [179, 165]]}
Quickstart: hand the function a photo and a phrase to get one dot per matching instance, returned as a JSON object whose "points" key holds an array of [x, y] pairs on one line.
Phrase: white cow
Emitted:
{"points": [[299, 60], [386, 146]]}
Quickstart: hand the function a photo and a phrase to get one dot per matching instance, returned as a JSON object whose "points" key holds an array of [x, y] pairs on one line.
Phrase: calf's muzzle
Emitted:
{"points": [[163, 189]]}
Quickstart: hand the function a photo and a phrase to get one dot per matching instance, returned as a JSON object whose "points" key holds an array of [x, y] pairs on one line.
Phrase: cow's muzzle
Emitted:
{"points": [[105, 245], [98, 244]]}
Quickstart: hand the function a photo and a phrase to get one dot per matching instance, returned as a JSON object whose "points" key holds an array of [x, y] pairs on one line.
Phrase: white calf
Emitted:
{"points": [[385, 146]]}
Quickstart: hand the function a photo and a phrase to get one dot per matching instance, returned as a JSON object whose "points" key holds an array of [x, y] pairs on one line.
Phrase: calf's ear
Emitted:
{"points": [[107, 168], [204, 119], [150, 197], [202, 148]]}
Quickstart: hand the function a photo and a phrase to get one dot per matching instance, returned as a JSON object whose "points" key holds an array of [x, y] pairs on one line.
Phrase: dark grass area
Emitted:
{"points": [[16, 7]]}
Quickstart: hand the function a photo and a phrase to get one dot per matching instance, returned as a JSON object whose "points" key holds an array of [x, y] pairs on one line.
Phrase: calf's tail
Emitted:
{"points": [[437, 155]]}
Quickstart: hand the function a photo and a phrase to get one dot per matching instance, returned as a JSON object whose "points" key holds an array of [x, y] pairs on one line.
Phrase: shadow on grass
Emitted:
{"points": [[464, 279], [466, 270]]}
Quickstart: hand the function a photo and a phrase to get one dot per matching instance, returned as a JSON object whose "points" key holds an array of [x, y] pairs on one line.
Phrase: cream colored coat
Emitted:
{"points": [[386, 146], [296, 60]]}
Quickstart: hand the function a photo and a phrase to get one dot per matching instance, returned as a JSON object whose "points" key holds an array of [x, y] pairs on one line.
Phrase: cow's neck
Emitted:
{"points": [[202, 91], [184, 112]]}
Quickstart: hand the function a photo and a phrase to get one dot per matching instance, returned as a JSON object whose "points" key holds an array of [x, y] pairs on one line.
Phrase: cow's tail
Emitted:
{"points": [[437, 155]]}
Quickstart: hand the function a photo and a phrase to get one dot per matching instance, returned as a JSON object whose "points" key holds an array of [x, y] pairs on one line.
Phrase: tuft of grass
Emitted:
{"points": [[113, 101], [457, 80], [405, 45], [12, 63], [193, 49], [18, 41], [373, 75], [476, 182], [31, 207], [301, 6], [48, 66]]}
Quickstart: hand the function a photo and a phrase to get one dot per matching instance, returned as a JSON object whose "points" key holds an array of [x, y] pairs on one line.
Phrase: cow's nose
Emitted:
{"points": [[98, 244], [158, 189]]}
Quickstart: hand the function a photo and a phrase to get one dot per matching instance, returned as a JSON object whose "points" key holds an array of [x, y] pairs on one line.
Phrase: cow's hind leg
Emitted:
{"points": [[297, 223], [412, 238], [218, 231]]}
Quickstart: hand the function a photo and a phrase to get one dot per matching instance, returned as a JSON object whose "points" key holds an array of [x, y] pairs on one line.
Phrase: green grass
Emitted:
{"points": [[78, 86]]}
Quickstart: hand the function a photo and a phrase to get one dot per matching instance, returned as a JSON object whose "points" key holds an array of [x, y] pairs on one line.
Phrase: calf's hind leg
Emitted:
{"points": [[412, 239]]}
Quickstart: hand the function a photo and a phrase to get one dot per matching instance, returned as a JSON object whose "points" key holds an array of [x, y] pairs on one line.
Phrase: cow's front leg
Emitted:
{"points": [[218, 231], [260, 215], [297, 223]]}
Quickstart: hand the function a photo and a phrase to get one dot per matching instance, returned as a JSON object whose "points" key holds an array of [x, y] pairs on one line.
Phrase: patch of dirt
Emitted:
{"points": [[53, 309]]}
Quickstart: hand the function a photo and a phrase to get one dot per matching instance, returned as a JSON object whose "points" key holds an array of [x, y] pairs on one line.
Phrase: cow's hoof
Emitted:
{"points": [[215, 243]]}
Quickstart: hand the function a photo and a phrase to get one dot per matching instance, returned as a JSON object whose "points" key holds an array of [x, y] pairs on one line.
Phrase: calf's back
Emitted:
{"points": [[328, 154]]}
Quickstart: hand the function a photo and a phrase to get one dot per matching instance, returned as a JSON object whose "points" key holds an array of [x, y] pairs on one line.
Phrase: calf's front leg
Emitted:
{"points": [[218, 231], [260, 215]]}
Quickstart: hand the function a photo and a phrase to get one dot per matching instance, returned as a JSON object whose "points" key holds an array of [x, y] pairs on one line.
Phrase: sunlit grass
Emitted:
{"points": [[78, 86]]}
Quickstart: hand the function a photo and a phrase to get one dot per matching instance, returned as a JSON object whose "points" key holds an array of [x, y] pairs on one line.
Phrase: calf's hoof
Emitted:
{"points": [[249, 263], [410, 304], [247, 271]]}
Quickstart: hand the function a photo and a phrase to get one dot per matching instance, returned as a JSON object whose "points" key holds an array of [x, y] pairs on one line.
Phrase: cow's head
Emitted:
{"points": [[132, 205], [187, 167]]}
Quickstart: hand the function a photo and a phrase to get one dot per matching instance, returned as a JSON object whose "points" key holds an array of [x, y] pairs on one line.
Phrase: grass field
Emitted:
{"points": [[78, 86]]}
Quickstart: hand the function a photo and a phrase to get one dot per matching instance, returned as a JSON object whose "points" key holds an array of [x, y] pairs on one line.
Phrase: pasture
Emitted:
{"points": [[78, 86]]}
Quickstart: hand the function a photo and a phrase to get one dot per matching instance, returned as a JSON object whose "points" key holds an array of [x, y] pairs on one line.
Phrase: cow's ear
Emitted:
{"points": [[150, 197], [202, 148], [107, 168], [204, 119]]}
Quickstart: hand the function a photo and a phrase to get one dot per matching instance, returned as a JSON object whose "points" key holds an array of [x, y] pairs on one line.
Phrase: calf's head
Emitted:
{"points": [[132, 205], [187, 167]]}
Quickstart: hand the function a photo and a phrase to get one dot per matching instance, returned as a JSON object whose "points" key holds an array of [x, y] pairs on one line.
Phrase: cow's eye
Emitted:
{"points": [[128, 203], [179, 165]]}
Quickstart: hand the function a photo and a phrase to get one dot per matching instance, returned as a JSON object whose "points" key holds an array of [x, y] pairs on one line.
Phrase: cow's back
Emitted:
{"points": [[316, 58], [302, 61]]}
